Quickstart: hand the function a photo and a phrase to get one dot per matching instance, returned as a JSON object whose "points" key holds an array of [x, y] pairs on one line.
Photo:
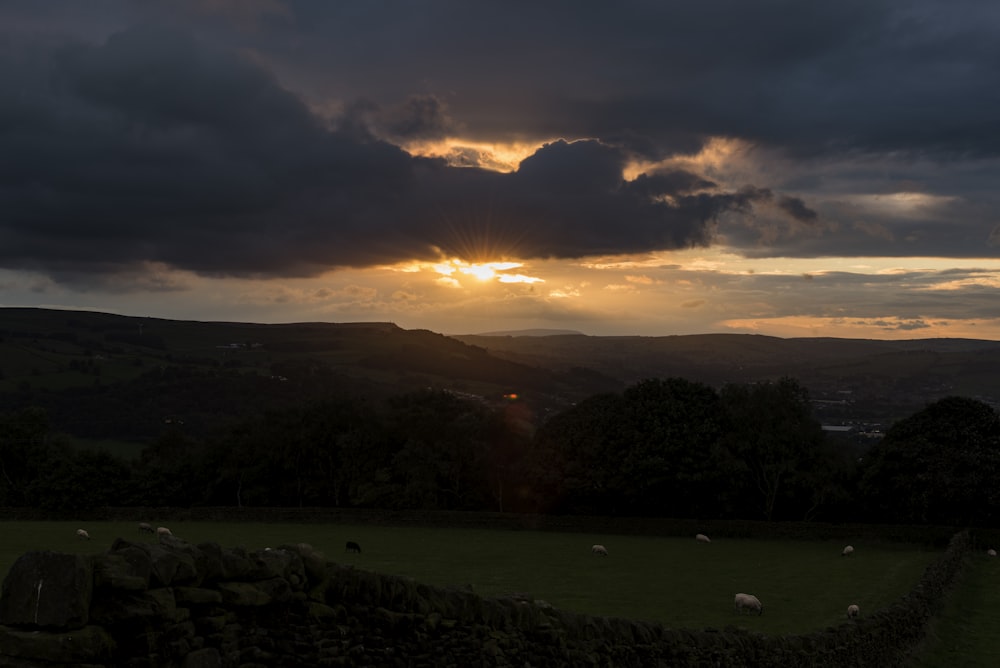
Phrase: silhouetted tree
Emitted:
{"points": [[28, 451], [939, 466], [575, 462], [778, 442], [440, 444], [672, 427], [87, 479]]}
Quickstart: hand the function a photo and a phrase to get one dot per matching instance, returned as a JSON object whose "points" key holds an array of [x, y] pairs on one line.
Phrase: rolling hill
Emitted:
{"points": [[111, 377]]}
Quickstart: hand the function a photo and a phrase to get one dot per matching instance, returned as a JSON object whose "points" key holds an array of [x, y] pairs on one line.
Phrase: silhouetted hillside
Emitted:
{"points": [[849, 378], [104, 376]]}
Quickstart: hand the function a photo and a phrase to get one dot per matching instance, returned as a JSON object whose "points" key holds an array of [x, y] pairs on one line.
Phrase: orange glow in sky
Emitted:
{"points": [[484, 271]]}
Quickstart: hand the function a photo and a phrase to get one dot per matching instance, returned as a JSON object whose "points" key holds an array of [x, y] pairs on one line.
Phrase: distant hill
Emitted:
{"points": [[533, 332], [867, 377], [104, 376]]}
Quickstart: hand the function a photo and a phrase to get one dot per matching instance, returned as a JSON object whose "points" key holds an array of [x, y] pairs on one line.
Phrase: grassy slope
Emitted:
{"points": [[805, 586], [965, 633]]}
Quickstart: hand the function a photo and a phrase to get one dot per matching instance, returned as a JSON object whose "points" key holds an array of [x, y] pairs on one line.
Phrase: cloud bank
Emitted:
{"points": [[270, 138]]}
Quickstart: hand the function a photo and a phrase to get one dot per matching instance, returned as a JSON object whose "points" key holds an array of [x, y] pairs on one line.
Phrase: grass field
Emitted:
{"points": [[804, 585], [965, 634]]}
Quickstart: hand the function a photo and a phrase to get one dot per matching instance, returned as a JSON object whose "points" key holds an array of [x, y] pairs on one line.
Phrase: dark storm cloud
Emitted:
{"points": [[420, 117], [858, 75], [866, 75], [154, 148], [797, 209], [125, 139]]}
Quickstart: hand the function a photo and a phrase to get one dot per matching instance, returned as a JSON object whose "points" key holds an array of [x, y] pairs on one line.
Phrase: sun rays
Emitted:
{"points": [[483, 271]]}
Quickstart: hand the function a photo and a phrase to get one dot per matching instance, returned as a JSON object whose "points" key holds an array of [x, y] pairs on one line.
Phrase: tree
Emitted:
{"points": [[673, 427], [777, 441], [440, 451], [574, 463], [28, 451], [939, 466], [168, 472], [652, 450], [88, 479]]}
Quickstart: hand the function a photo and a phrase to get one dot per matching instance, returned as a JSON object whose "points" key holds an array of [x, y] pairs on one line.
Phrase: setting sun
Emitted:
{"points": [[487, 270], [484, 271]]}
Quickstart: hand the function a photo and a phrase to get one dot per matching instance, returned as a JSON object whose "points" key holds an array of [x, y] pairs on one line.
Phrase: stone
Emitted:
{"points": [[235, 564], [243, 594], [203, 658], [48, 589], [154, 603], [138, 563], [79, 646], [171, 567], [313, 561], [197, 596], [113, 570], [210, 562], [321, 611]]}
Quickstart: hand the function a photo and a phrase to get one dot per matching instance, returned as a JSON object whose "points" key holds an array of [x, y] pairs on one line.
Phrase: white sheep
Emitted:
{"points": [[163, 531], [991, 552], [748, 602], [853, 611], [702, 538], [599, 549], [82, 534], [847, 551], [146, 527]]}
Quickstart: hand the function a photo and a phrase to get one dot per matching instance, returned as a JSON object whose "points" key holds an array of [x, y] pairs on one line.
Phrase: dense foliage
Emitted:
{"points": [[663, 447]]}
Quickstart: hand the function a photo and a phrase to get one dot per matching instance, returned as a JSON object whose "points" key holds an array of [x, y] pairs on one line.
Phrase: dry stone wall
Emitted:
{"points": [[193, 606]]}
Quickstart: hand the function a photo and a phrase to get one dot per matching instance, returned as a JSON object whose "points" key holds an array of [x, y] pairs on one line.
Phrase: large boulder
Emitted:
{"points": [[286, 562], [48, 589], [171, 566], [138, 607], [118, 570]]}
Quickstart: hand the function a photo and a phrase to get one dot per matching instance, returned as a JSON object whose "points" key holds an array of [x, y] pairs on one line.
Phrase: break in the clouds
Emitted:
{"points": [[153, 147], [658, 167], [275, 138]]}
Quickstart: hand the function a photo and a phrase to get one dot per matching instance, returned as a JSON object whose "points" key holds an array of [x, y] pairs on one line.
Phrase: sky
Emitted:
{"points": [[646, 168]]}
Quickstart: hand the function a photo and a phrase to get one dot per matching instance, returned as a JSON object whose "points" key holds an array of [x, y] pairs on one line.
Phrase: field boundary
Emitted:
{"points": [[166, 603], [938, 536]]}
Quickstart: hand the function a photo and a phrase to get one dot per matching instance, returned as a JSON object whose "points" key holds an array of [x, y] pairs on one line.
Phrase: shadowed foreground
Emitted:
{"points": [[178, 604]]}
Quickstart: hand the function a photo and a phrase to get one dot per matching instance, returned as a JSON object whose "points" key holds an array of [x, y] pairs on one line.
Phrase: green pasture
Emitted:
{"points": [[964, 635], [805, 585]]}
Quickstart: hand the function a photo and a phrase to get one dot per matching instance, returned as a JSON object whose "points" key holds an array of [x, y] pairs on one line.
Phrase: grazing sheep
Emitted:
{"points": [[991, 552], [163, 531], [146, 527], [847, 551], [82, 534], [353, 547], [748, 602], [599, 550], [853, 611], [702, 538]]}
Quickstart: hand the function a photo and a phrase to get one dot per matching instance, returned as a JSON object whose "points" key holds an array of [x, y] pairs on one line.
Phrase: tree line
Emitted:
{"points": [[662, 447]]}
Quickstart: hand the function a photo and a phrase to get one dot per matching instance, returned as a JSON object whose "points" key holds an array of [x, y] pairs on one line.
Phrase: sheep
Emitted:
{"points": [[353, 547], [702, 538], [853, 611], [163, 531], [991, 552], [146, 527], [847, 551], [599, 550], [82, 534], [748, 602]]}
